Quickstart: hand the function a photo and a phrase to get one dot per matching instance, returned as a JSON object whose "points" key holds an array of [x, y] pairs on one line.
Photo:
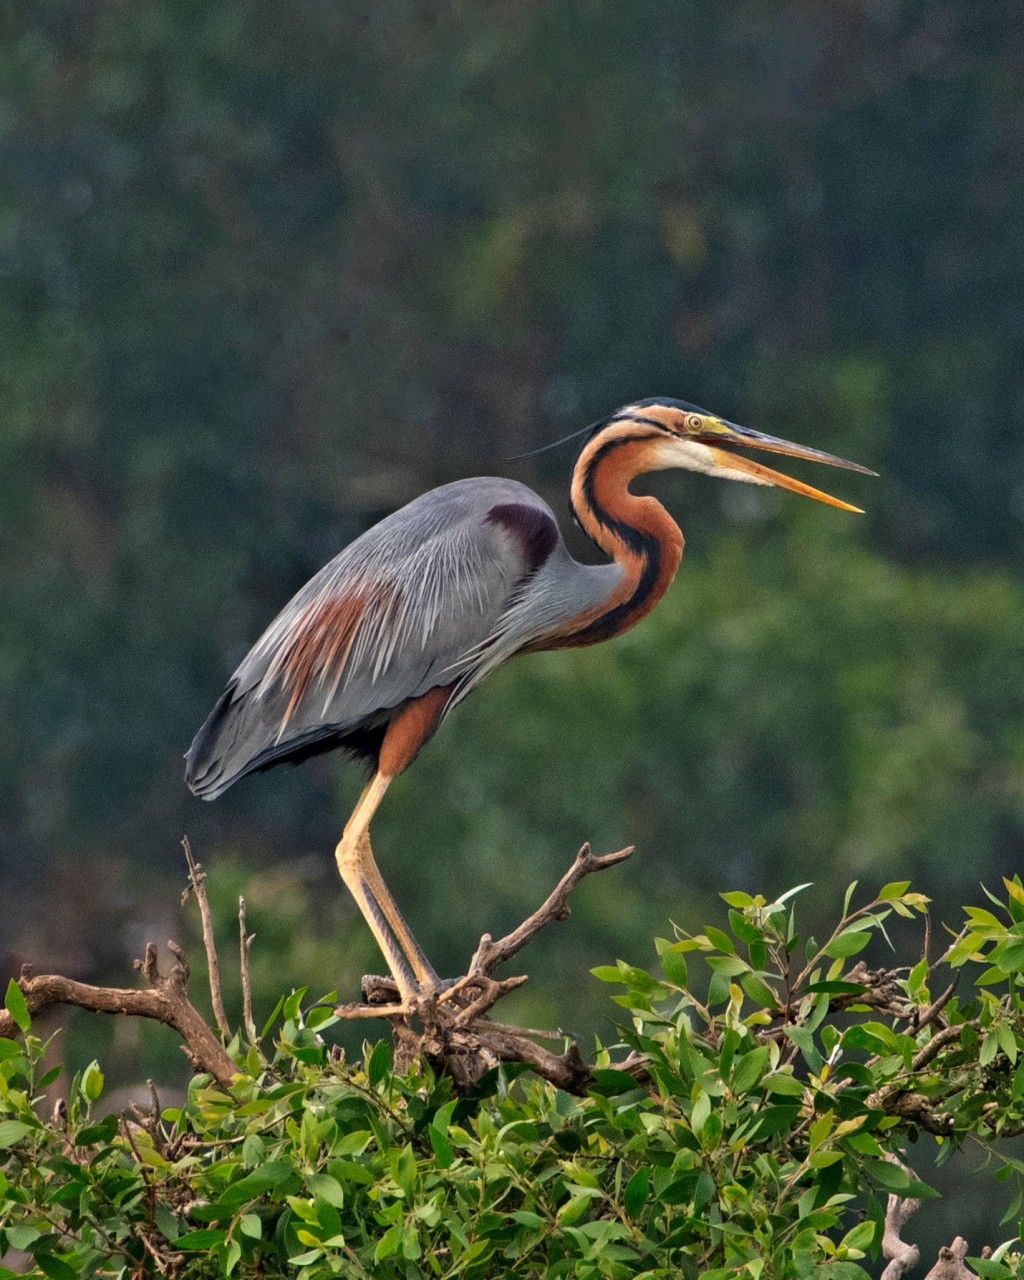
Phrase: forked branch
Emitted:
{"points": [[165, 1001], [902, 1256], [452, 1029]]}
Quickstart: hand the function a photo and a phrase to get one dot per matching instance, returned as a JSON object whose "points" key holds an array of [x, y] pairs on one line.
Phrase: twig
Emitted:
{"points": [[925, 1016], [938, 1041], [245, 941], [166, 1001], [196, 879], [490, 954]]}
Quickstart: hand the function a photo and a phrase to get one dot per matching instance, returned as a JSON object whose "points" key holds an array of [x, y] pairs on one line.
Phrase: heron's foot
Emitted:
{"points": [[449, 1023], [379, 988], [455, 1000]]}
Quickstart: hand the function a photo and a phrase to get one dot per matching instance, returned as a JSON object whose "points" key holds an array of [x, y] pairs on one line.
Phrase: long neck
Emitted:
{"points": [[636, 532]]}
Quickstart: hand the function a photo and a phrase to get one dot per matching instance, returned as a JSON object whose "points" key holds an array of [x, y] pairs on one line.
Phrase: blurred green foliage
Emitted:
{"points": [[268, 270]]}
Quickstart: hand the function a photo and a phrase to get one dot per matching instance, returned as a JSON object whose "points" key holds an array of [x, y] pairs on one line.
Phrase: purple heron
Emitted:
{"points": [[374, 651]]}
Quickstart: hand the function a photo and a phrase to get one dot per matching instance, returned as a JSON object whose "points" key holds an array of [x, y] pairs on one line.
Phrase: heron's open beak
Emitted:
{"points": [[727, 433]]}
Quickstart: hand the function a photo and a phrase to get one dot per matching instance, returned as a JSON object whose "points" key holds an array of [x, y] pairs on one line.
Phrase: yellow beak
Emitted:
{"points": [[728, 433]]}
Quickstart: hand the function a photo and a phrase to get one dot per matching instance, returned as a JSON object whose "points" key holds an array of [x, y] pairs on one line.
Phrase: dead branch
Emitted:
{"points": [[197, 884], [245, 941], [166, 1001], [923, 1017], [452, 1030], [490, 954], [951, 1265], [903, 1256]]}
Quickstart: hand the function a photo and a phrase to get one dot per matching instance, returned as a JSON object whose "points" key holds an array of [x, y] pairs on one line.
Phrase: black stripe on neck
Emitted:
{"points": [[634, 541]]}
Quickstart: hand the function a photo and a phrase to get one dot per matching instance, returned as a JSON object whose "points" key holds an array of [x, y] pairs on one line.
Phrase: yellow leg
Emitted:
{"points": [[421, 966], [358, 868]]}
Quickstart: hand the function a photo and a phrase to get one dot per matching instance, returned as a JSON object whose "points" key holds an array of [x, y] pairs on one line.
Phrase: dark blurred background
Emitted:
{"points": [[268, 269]]}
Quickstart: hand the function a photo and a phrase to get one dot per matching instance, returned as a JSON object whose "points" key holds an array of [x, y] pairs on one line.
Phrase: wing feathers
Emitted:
{"points": [[428, 597]]}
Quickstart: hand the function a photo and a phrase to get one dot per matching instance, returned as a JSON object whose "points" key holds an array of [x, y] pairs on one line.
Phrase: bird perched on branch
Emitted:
{"points": [[375, 650]]}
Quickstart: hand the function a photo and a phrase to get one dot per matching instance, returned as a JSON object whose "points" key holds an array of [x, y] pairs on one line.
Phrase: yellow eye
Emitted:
{"points": [[694, 421]]}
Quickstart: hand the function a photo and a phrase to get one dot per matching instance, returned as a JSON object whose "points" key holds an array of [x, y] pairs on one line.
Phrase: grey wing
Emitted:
{"points": [[418, 601]]}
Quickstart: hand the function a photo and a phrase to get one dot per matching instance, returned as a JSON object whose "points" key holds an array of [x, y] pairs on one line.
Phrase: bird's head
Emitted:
{"points": [[680, 435]]}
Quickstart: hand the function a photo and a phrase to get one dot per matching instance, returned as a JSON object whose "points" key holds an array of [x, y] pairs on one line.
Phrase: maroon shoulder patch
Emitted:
{"points": [[532, 528]]}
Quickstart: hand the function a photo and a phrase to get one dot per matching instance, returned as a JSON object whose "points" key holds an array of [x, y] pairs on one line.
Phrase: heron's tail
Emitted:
{"points": [[242, 735], [208, 762]]}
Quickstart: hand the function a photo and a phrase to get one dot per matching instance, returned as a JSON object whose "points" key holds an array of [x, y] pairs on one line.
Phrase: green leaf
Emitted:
{"points": [[782, 1082], [848, 943], [204, 1238], [231, 1256], [94, 1135], [573, 1210], [54, 1268], [323, 1187], [12, 1131], [251, 1225], [92, 1081], [14, 1003], [758, 991], [737, 898], [990, 1269], [292, 1007], [1007, 1042], [749, 1070], [719, 939], [635, 1196], [379, 1063], [893, 1179], [989, 1049], [775, 1120], [674, 967], [743, 929], [791, 893], [527, 1218], [19, 1237], [896, 889], [803, 1038], [270, 1176], [441, 1146], [916, 977], [700, 1113]]}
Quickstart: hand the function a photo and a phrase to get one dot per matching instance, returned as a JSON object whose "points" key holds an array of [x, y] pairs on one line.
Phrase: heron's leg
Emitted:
{"points": [[421, 966], [411, 970]]}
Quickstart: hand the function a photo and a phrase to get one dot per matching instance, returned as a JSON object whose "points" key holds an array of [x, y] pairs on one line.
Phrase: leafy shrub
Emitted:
{"points": [[755, 1127]]}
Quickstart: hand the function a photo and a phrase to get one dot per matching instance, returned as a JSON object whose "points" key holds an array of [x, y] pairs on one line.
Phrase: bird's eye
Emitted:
{"points": [[694, 421]]}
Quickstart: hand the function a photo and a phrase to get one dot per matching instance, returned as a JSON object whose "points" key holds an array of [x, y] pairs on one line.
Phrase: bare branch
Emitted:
{"points": [[925, 1016], [938, 1042], [950, 1265], [451, 1030], [490, 954], [245, 941], [196, 880], [167, 1002], [902, 1257]]}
